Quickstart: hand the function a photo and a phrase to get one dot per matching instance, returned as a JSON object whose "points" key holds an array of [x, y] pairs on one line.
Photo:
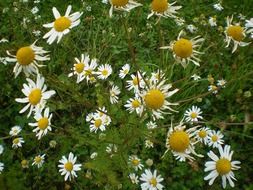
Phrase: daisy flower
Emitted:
{"points": [[134, 178], [151, 125], [135, 162], [151, 181], [196, 77], [27, 58], [68, 166], [62, 24], [215, 139], [249, 26], [123, 5], [124, 71], [39, 160], [36, 95], [17, 142], [1, 167], [134, 104], [156, 76], [155, 98], [89, 71], [235, 33], [15, 131], [221, 166], [137, 83], [213, 88], [102, 112], [149, 144], [193, 114], [221, 83], [218, 7], [104, 71], [25, 164], [181, 142], [202, 135], [114, 92], [184, 50], [163, 8], [78, 68], [98, 122], [43, 123]]}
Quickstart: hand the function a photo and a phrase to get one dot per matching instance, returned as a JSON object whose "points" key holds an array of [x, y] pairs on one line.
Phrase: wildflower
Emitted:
{"points": [[1, 149], [134, 178], [104, 71], [156, 76], [111, 149], [114, 92], [212, 21], [202, 135], [249, 26], [221, 166], [124, 71], [36, 95], [135, 162], [235, 33], [151, 125], [62, 24], [193, 114], [89, 71], [218, 7], [39, 160], [15, 131], [195, 77], [68, 166], [215, 139], [43, 123], [134, 104], [24, 164], [149, 162], [122, 5], [213, 88], [4, 40], [162, 8], [137, 83], [27, 58], [184, 50], [149, 144], [1, 167], [221, 83], [191, 28], [17, 142], [151, 181]]}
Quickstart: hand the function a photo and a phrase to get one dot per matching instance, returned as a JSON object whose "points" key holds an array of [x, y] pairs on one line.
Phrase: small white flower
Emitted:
{"points": [[202, 135], [124, 71], [93, 155], [37, 33], [193, 114], [137, 83], [4, 40], [134, 104], [135, 162], [213, 88], [35, 10], [151, 181], [134, 178], [149, 144], [1, 167], [215, 139], [114, 92], [111, 149], [212, 21], [151, 125], [104, 71], [17, 142], [218, 7], [15, 130], [1, 149], [39, 160], [191, 28], [221, 83], [195, 77]]}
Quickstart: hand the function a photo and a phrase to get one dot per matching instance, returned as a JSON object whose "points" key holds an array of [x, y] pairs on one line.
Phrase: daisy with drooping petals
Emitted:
{"points": [[39, 160], [36, 95], [27, 58], [151, 181], [89, 71], [135, 162], [202, 135], [15, 130], [104, 71], [17, 142], [124, 71], [78, 68], [114, 92], [163, 8], [181, 142], [221, 166], [236, 33], [215, 139], [122, 5], [62, 24], [68, 167], [137, 83], [134, 104], [134, 178], [184, 50], [193, 114], [43, 123], [155, 98], [156, 76]]}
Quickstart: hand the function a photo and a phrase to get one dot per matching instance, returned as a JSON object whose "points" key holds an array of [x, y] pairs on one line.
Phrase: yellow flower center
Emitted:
{"points": [[179, 141], [98, 123], [214, 138], [159, 6], [135, 104], [236, 32], [16, 141], [223, 166], [153, 182], [125, 71], [68, 166], [24, 163], [194, 115], [35, 96], [154, 99], [62, 23], [79, 67], [183, 48], [104, 72], [214, 88], [43, 123], [119, 3], [202, 134], [88, 72], [135, 162], [37, 159], [25, 55], [135, 81]]}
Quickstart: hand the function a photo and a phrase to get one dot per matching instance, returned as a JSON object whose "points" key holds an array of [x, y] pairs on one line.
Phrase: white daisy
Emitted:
{"points": [[156, 76], [202, 135], [15, 131], [195, 77], [213, 88], [137, 83], [102, 112], [111, 149], [89, 71], [61, 25], [104, 71], [114, 92], [39, 160], [184, 50], [155, 98], [78, 68], [249, 26], [221, 83], [1, 167], [43, 123], [36, 95], [134, 178], [221, 166], [27, 58], [68, 166], [193, 114], [151, 181], [17, 142], [163, 8], [124, 71], [151, 125], [235, 33], [98, 122], [149, 144], [123, 5], [215, 139], [135, 162], [134, 104], [218, 7], [1, 149], [212, 21]]}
